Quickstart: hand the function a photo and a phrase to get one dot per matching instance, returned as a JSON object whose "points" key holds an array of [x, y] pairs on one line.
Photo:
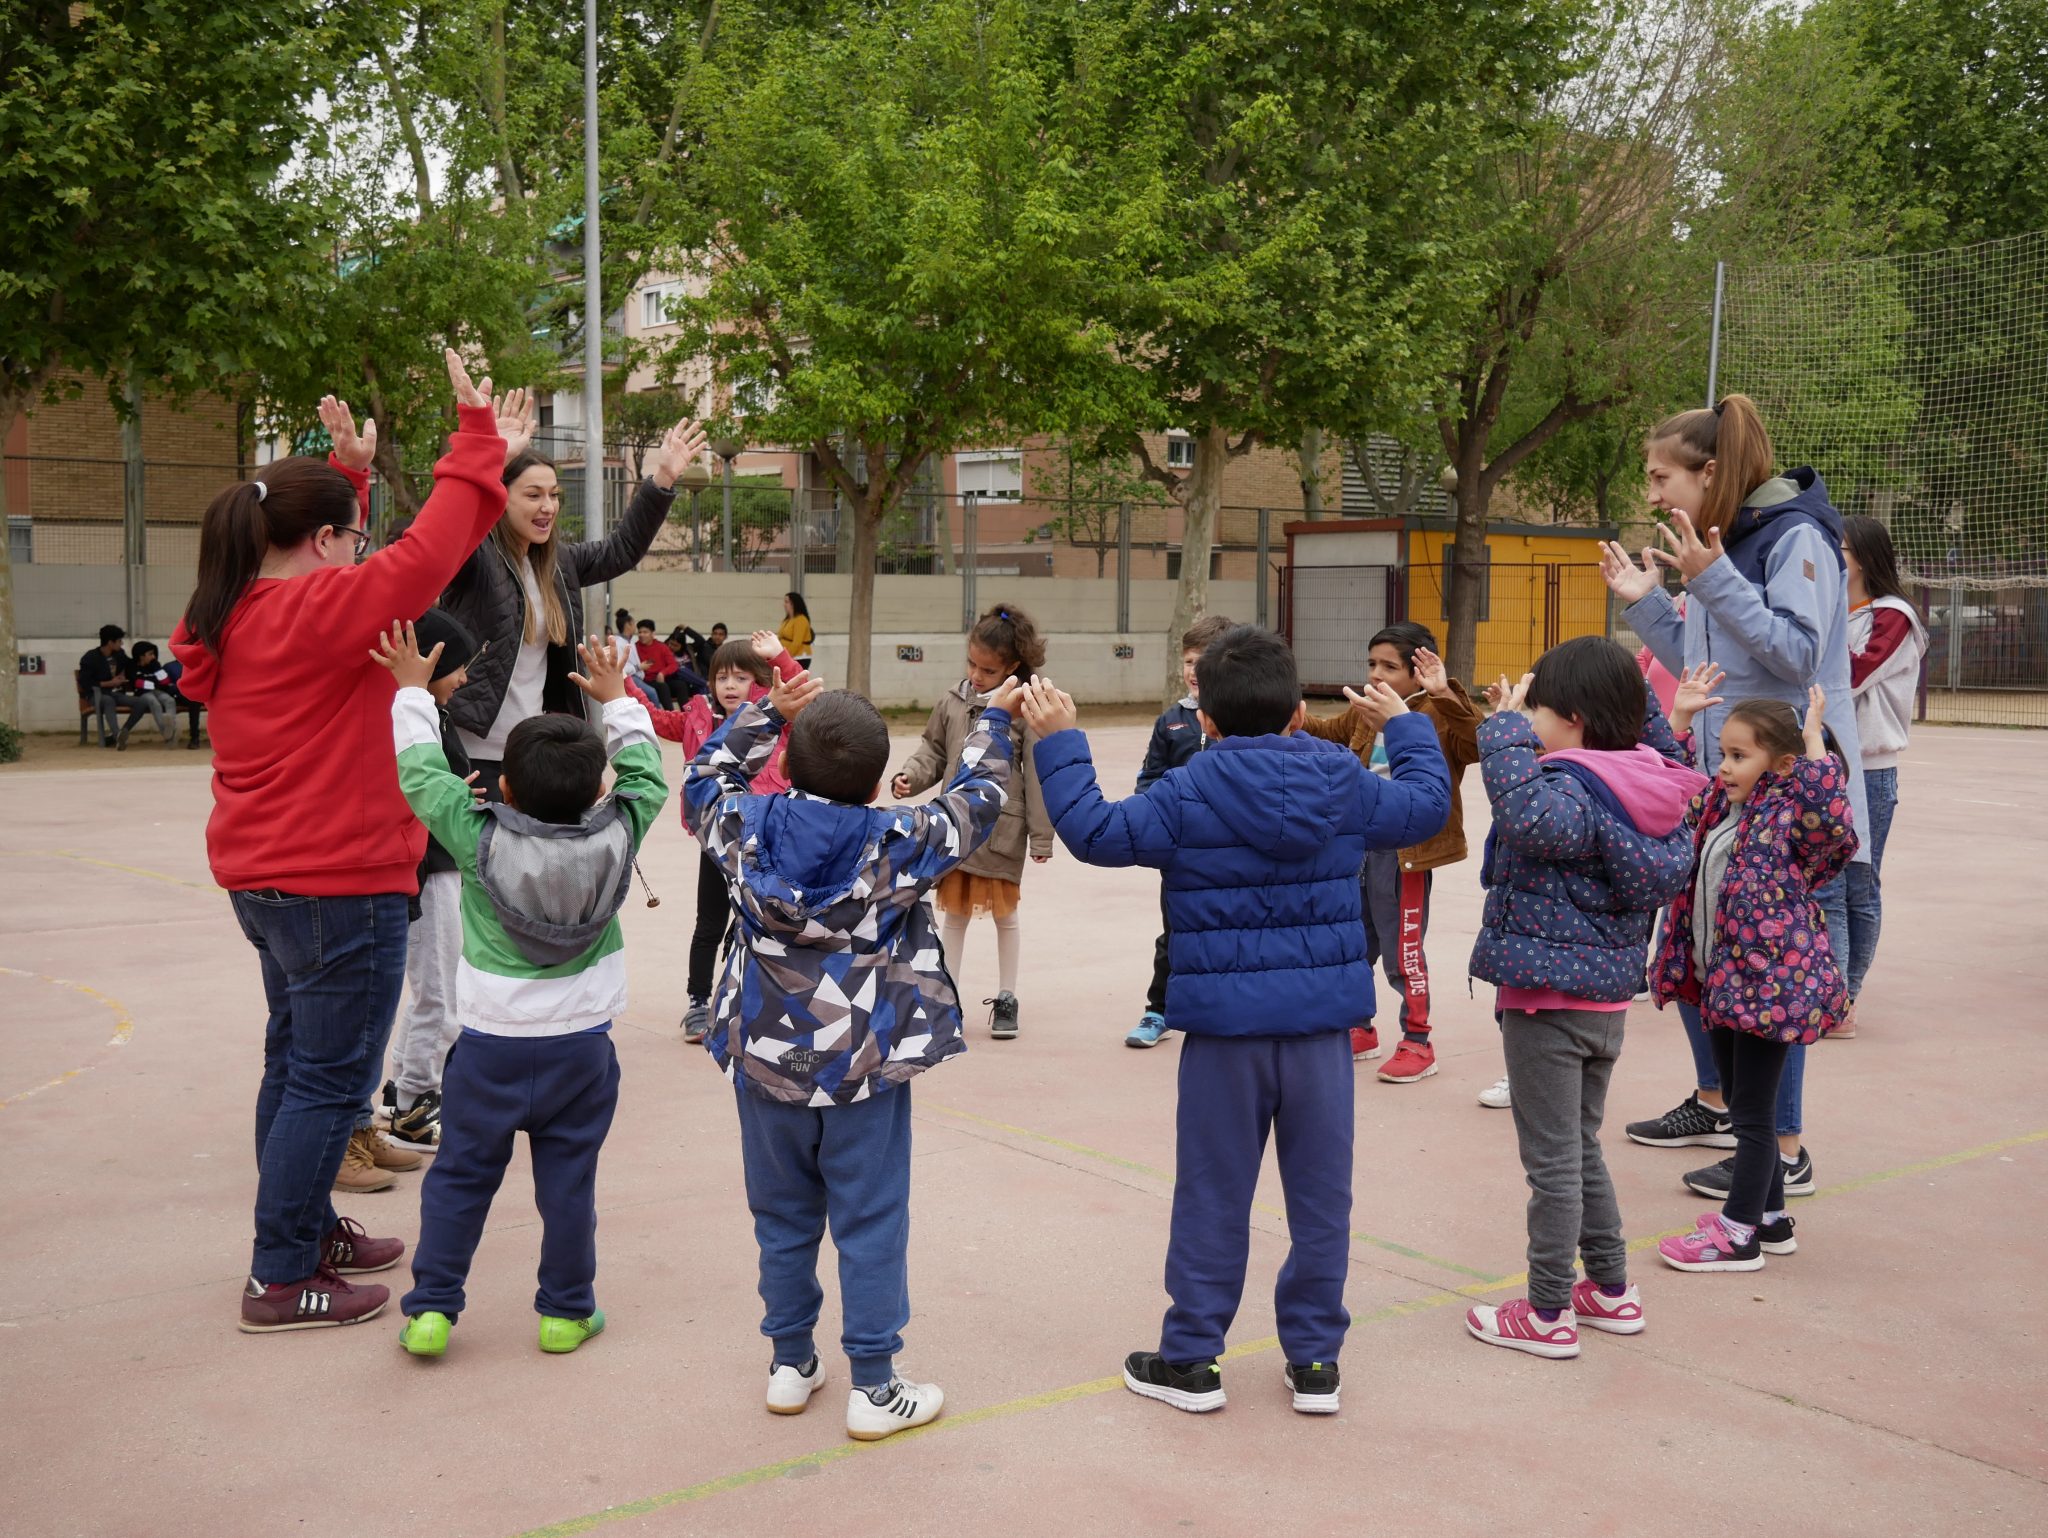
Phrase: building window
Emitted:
{"points": [[1485, 581], [21, 540], [1215, 566], [1180, 452], [994, 473], [654, 304]]}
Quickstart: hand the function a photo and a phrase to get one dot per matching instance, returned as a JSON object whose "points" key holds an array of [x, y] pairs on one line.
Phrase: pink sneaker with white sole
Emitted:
{"points": [[1515, 1325], [1596, 1311], [1710, 1247]]}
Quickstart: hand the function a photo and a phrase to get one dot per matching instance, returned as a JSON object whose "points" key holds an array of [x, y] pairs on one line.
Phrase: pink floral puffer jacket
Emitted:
{"points": [[1773, 972]]}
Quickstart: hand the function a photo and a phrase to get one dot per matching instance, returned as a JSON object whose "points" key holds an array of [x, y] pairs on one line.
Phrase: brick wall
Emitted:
{"points": [[74, 470]]}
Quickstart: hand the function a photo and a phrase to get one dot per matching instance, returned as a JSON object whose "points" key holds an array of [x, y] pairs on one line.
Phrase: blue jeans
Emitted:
{"points": [[844, 1164], [1866, 907], [1834, 907], [332, 970]]}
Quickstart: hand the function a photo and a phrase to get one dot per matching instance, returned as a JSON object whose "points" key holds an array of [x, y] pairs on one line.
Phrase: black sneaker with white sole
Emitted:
{"points": [[1002, 1017], [1716, 1179], [1195, 1386], [419, 1124], [1776, 1238], [1686, 1125], [1314, 1387]]}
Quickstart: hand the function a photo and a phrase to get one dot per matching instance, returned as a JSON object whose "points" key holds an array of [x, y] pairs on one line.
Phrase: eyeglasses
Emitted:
{"points": [[362, 539]]}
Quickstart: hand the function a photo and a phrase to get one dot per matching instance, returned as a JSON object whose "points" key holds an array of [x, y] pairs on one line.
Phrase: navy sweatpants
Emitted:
{"points": [[1233, 1091], [848, 1165], [561, 1092]]}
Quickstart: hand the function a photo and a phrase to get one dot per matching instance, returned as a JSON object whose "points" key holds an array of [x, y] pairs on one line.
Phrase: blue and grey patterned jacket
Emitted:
{"points": [[838, 988]]}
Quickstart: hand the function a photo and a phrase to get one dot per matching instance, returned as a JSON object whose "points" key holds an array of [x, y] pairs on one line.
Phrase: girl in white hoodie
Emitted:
{"points": [[1886, 644]]}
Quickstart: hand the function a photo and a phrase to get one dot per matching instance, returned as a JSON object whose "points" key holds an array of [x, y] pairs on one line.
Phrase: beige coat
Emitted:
{"points": [[1024, 826]]}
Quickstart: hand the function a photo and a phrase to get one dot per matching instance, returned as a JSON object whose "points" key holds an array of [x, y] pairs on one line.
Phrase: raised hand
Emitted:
{"points": [[1379, 704], [466, 394], [1626, 580], [398, 649], [671, 457], [604, 671], [1045, 709], [353, 451], [1688, 555], [1814, 729], [1510, 696], [1429, 672], [1005, 696], [518, 417], [792, 696], [900, 787], [767, 644], [1695, 693]]}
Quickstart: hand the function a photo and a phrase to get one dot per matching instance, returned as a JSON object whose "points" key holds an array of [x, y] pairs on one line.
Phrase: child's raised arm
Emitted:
{"points": [[440, 800], [721, 775], [1414, 802], [941, 835], [1143, 830]]}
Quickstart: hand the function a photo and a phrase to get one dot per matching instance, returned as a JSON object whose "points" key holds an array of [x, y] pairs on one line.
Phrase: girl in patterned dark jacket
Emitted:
{"points": [[1746, 943], [1589, 791]]}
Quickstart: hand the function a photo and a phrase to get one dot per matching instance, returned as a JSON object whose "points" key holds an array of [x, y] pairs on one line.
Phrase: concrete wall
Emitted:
{"points": [[77, 600]]}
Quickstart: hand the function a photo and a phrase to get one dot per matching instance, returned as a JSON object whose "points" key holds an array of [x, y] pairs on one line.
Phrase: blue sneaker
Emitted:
{"points": [[1149, 1029]]}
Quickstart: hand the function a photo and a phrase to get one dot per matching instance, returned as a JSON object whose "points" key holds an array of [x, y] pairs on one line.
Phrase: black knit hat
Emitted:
{"points": [[457, 644]]}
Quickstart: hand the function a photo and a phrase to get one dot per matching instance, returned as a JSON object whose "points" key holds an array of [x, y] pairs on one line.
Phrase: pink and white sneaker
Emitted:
{"points": [[1710, 1247], [1596, 1311], [1515, 1325]]}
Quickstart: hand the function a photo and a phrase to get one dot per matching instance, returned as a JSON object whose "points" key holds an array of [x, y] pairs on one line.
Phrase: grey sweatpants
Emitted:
{"points": [[429, 1025], [1559, 1062]]}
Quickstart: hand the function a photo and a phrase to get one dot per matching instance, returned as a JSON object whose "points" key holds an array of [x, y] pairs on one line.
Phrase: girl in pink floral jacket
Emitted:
{"points": [[1746, 942]]}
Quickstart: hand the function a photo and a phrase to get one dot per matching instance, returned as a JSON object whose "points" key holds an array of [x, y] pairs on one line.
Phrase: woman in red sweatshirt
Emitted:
{"points": [[309, 834]]}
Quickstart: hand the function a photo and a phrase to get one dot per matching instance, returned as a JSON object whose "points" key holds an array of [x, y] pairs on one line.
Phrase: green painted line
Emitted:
{"points": [[1165, 1179]]}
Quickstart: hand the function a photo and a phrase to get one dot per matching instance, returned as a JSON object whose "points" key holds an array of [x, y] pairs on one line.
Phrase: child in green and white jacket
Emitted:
{"points": [[542, 976]]}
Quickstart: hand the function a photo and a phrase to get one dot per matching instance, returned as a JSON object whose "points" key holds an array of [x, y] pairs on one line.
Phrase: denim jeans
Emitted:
{"points": [[1834, 906], [1881, 788], [332, 970]]}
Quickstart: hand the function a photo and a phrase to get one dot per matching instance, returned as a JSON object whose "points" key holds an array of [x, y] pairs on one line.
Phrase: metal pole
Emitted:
{"points": [[970, 558], [1265, 562], [1714, 346], [134, 546], [799, 541], [725, 560], [1123, 568], [593, 298]]}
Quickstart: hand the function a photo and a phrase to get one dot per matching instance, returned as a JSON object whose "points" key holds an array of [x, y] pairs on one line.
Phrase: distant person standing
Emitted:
{"points": [[795, 632]]}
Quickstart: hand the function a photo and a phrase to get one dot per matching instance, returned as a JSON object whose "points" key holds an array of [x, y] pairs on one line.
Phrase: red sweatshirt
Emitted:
{"points": [[305, 782], [656, 660]]}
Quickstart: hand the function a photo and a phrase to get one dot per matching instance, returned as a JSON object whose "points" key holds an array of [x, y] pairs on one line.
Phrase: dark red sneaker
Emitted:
{"points": [[321, 1300], [1365, 1043], [351, 1252]]}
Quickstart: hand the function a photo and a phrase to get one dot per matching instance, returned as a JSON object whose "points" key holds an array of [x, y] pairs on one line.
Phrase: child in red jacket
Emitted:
{"points": [[740, 671]]}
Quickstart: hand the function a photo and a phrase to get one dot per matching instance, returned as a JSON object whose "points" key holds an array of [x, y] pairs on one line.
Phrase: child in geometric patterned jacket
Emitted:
{"points": [[1747, 944]]}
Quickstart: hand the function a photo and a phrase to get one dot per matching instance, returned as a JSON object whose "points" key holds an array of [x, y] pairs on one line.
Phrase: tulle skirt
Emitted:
{"points": [[961, 893]]}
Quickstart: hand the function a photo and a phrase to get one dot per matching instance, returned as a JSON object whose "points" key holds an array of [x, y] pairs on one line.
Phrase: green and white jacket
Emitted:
{"points": [[541, 950]]}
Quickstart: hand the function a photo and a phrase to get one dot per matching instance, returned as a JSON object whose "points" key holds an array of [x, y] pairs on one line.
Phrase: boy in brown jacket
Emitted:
{"points": [[1396, 882]]}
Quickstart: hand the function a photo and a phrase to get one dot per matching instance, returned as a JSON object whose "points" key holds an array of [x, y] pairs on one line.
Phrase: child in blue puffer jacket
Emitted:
{"points": [[1258, 839], [1589, 791]]}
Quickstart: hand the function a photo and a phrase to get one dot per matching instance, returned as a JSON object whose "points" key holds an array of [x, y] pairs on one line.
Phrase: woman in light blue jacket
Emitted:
{"points": [[1761, 557]]}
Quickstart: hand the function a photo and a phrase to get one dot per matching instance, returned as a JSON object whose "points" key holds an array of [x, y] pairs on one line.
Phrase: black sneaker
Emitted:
{"points": [[1002, 1016], [1717, 1179], [387, 1102], [1686, 1125], [1776, 1238], [1314, 1386], [419, 1125], [1196, 1387]]}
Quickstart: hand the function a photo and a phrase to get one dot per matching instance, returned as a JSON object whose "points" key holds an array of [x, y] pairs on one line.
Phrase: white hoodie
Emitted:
{"points": [[1885, 698]]}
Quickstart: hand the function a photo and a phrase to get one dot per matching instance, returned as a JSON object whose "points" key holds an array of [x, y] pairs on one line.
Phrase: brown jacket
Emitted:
{"points": [[1457, 733], [1024, 821]]}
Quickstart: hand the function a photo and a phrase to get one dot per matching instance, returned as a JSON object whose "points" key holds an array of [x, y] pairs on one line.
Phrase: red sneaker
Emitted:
{"points": [[351, 1252], [1365, 1044], [321, 1300], [1409, 1063]]}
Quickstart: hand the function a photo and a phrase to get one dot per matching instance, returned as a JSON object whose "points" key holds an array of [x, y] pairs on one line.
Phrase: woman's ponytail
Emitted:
{"points": [[1733, 436], [290, 502]]}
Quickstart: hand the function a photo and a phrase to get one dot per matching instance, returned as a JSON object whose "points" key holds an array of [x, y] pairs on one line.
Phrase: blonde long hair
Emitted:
{"points": [[1734, 437], [554, 614]]}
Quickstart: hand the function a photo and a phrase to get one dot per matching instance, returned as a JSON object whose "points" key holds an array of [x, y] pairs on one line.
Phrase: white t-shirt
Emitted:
{"points": [[529, 678]]}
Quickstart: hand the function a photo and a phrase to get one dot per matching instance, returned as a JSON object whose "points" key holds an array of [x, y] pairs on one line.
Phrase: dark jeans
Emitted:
{"points": [[848, 1165], [1750, 1066], [561, 1092], [1866, 905], [1155, 996], [1234, 1091], [714, 913], [1559, 1061], [332, 971]]}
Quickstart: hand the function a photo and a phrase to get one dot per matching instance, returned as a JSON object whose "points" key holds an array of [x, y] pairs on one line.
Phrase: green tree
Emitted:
{"points": [[1090, 493], [153, 221], [893, 240], [1308, 236]]}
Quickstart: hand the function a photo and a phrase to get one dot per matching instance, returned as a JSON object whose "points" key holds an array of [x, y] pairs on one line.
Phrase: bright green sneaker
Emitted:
{"points": [[558, 1335], [425, 1334]]}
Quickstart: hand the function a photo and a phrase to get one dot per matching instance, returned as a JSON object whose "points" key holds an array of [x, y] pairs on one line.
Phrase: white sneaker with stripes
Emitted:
{"points": [[902, 1406]]}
